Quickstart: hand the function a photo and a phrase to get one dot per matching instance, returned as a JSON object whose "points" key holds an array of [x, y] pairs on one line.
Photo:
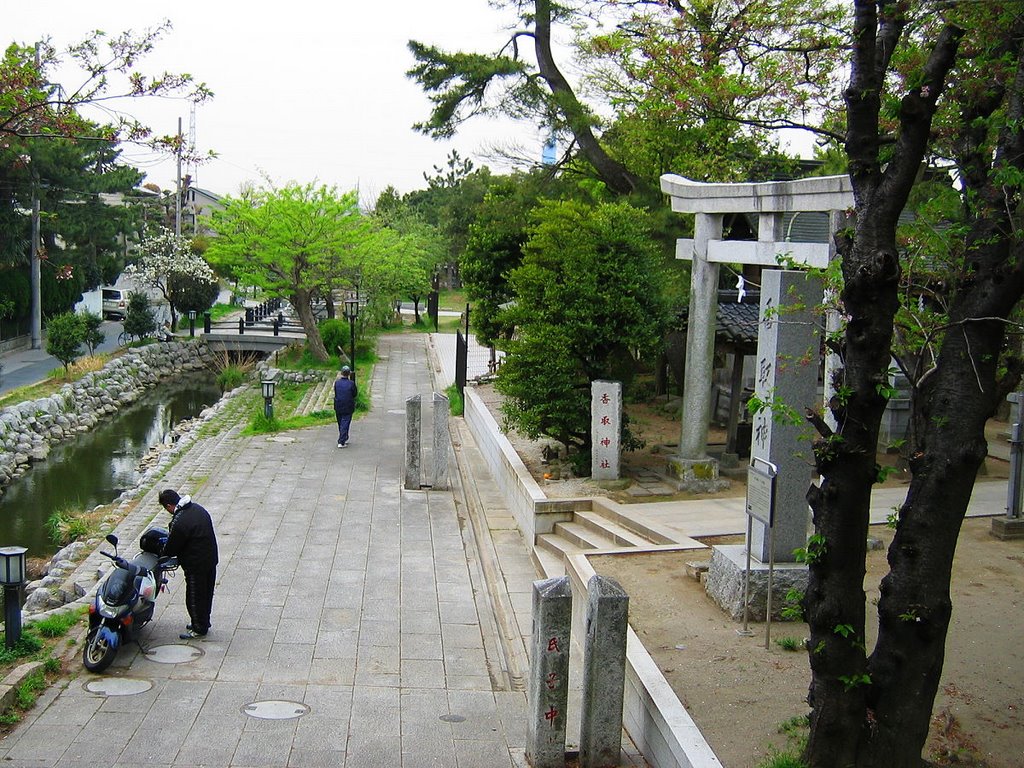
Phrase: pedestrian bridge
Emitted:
{"points": [[262, 329], [256, 340]]}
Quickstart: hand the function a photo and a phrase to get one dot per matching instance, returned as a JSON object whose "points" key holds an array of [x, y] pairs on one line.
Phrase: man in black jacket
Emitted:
{"points": [[194, 543]]}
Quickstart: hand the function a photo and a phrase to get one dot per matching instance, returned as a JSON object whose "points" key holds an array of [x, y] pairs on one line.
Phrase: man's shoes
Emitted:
{"points": [[191, 634], [341, 445]]}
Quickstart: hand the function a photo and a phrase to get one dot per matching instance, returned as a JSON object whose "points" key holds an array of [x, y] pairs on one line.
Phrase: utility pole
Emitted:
{"points": [[37, 298], [177, 194], [36, 280]]}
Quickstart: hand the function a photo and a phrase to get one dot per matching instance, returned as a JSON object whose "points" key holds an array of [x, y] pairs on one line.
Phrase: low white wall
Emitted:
{"points": [[521, 492], [652, 714]]}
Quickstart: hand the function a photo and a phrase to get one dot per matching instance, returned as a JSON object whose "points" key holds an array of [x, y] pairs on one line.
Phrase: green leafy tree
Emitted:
{"points": [[138, 319], [294, 243], [448, 204], [586, 302], [494, 246], [425, 245], [64, 336], [92, 334], [105, 70]]}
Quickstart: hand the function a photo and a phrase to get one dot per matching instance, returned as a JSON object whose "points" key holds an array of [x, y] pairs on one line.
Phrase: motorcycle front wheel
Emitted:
{"points": [[98, 654]]}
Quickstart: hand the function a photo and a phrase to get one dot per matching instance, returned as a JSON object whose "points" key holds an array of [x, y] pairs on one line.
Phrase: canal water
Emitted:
{"points": [[95, 467]]}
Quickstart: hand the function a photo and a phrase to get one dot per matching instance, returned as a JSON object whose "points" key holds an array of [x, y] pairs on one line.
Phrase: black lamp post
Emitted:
{"points": [[268, 398], [192, 323], [12, 576], [351, 312]]}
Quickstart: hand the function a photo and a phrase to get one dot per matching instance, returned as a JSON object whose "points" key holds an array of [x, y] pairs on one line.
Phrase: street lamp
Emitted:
{"points": [[192, 323], [12, 576], [351, 312], [268, 398]]}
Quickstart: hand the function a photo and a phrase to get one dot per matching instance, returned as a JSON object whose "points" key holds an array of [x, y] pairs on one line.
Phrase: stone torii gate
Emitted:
{"points": [[772, 202]]}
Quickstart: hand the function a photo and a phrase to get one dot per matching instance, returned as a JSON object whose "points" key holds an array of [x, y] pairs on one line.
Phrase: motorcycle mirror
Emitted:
{"points": [[112, 539]]}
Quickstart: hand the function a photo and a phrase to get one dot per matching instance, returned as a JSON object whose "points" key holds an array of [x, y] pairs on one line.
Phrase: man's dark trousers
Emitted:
{"points": [[199, 586]]}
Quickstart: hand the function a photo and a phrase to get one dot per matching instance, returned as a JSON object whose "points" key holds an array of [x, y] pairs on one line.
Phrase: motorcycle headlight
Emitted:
{"points": [[109, 611]]}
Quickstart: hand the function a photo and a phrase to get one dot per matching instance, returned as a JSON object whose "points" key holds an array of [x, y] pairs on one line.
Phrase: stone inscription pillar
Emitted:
{"points": [[413, 425], [548, 687], [788, 352], [604, 673], [605, 429], [441, 437]]}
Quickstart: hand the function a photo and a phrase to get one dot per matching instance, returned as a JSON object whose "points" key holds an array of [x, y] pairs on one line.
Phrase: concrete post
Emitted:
{"points": [[412, 443], [441, 437], [605, 429], [604, 673], [548, 688]]}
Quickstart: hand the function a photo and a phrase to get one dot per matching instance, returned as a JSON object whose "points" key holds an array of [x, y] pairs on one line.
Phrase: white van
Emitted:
{"points": [[115, 303]]}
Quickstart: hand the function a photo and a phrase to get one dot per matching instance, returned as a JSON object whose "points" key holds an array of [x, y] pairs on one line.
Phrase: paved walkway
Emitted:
{"points": [[339, 593]]}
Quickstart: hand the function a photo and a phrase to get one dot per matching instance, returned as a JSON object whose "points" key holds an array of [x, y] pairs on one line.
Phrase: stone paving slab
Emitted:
{"points": [[337, 590]]}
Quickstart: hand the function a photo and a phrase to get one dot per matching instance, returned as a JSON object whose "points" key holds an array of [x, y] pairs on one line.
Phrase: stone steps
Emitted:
{"points": [[604, 528], [318, 397]]}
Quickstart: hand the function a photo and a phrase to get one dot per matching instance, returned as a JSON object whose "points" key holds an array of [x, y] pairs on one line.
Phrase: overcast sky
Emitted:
{"points": [[311, 91]]}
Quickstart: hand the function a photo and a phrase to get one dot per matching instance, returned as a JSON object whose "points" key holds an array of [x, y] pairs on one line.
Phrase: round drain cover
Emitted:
{"points": [[173, 654], [275, 710], [453, 718], [117, 686]]}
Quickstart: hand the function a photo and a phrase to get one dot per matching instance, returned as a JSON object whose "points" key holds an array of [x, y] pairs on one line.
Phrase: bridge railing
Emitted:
{"points": [[268, 315]]}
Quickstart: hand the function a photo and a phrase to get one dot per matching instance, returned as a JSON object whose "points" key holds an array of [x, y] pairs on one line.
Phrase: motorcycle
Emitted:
{"points": [[125, 601]]}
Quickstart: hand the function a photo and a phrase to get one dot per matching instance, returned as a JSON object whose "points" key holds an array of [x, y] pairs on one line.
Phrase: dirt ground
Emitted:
{"points": [[740, 693]]}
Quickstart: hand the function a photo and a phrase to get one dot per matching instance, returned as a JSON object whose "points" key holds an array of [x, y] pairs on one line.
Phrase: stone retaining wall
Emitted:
{"points": [[28, 430]]}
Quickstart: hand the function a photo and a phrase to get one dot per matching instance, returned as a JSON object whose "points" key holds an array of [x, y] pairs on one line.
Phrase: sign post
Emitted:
{"points": [[760, 505]]}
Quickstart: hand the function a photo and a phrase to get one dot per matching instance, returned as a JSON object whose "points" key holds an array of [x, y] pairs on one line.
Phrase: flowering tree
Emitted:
{"points": [[166, 256]]}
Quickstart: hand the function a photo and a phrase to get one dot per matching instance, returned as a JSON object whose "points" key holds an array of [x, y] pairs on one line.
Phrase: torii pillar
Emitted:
{"points": [[710, 203]]}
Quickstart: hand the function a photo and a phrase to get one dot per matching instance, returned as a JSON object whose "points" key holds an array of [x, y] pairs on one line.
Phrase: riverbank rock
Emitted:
{"points": [[65, 580], [28, 430]]}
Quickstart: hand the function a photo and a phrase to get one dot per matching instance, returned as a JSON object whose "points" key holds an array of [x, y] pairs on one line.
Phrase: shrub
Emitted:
{"points": [[64, 335], [335, 334], [139, 321], [92, 335]]}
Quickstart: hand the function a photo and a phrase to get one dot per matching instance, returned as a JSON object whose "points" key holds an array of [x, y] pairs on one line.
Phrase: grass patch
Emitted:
{"points": [[288, 398], [452, 300], [789, 643], [796, 729], [456, 406], [43, 641], [69, 524], [220, 311]]}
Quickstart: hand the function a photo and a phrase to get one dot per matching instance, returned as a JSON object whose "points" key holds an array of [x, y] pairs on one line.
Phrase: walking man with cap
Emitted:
{"points": [[345, 391], [192, 540]]}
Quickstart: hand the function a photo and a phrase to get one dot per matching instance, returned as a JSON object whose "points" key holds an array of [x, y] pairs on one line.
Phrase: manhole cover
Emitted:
{"points": [[275, 710], [117, 686], [453, 718], [173, 654]]}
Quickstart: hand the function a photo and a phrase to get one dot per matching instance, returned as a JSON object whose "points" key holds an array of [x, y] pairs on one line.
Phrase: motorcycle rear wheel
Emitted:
{"points": [[98, 654]]}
